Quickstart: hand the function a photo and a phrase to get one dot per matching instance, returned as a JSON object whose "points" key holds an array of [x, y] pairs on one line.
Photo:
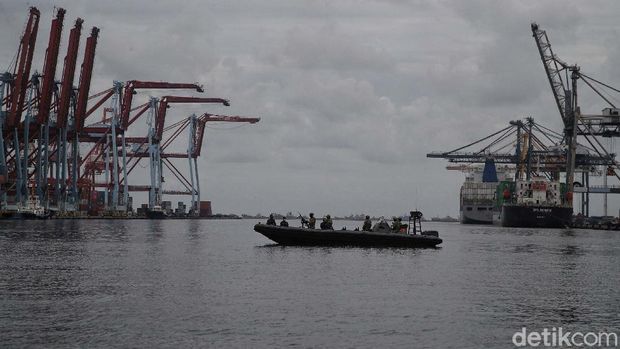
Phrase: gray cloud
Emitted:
{"points": [[352, 94]]}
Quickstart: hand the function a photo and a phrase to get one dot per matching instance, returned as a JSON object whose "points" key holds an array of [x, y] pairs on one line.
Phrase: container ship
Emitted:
{"points": [[478, 197], [537, 203]]}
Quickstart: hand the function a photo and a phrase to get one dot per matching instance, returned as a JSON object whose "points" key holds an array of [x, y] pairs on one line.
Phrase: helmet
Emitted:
{"points": [[328, 216], [395, 218], [271, 215], [367, 217], [311, 214]]}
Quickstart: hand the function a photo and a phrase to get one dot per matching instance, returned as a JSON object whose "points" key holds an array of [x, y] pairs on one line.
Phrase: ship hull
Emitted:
{"points": [[474, 214], [29, 215], [156, 214], [23, 216], [315, 237], [469, 220], [536, 216]]}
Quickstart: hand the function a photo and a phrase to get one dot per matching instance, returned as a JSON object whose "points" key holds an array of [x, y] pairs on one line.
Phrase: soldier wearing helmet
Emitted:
{"points": [[367, 224]]}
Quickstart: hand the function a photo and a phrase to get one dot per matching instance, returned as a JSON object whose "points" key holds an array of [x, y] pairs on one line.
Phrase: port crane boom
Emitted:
{"points": [[565, 96], [85, 77], [522, 144], [49, 68], [43, 129], [575, 123], [132, 85], [557, 74], [21, 72]]}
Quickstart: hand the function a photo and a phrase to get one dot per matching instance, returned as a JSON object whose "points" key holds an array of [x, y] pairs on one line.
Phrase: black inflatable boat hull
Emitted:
{"points": [[315, 237]]}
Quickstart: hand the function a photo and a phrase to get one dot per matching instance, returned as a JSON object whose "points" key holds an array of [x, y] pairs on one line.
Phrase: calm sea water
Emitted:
{"points": [[219, 284]]}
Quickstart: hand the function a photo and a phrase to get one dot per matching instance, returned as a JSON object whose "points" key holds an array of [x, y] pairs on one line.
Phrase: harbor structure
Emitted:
{"points": [[579, 151], [54, 152], [532, 152]]}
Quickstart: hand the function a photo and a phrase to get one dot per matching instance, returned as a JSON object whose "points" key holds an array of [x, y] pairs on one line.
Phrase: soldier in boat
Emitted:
{"points": [[271, 220], [311, 221], [367, 224], [327, 224], [398, 226], [330, 224], [395, 225], [284, 223]]}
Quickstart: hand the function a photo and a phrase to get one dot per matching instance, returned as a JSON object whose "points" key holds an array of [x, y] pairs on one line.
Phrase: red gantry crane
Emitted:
{"points": [[103, 157], [45, 103], [43, 128], [196, 128], [156, 121], [17, 85]]}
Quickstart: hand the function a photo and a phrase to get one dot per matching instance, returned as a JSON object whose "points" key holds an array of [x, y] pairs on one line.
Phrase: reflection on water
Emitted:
{"points": [[194, 229], [154, 232], [527, 248], [197, 283], [571, 250], [568, 232]]}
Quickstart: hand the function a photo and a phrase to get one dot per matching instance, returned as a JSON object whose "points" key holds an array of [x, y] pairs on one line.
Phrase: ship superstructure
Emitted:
{"points": [[536, 157], [478, 197], [537, 202]]}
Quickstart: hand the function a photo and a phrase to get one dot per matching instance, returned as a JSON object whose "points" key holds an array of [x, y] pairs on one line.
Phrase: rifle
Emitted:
{"points": [[304, 221]]}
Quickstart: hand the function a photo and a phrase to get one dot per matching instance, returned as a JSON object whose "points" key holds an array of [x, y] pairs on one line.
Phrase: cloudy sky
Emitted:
{"points": [[352, 93]]}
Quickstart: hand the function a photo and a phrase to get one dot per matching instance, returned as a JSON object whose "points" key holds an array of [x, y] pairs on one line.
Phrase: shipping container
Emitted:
{"points": [[205, 209]]}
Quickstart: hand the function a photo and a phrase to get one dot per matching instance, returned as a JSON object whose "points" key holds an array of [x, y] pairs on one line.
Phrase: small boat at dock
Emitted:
{"points": [[379, 236], [32, 209], [157, 212]]}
